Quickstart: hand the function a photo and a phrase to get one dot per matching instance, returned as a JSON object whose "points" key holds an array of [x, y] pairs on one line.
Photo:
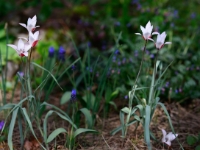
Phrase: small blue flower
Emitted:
{"points": [[1, 124], [73, 95], [117, 52], [89, 44], [152, 56], [128, 25], [172, 24], [126, 96], [139, 6], [119, 63], [175, 14], [118, 72], [124, 61], [21, 74], [61, 54], [114, 58], [117, 23], [176, 91], [167, 84], [147, 52], [193, 15], [135, 1], [136, 53], [73, 67], [97, 74], [51, 52], [89, 69]]}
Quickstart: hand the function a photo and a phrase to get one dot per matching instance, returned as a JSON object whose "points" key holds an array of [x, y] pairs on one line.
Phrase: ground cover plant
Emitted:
{"points": [[86, 75]]}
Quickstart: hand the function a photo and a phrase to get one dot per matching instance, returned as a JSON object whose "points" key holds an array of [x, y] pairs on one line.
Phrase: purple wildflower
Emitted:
{"points": [[61, 54], [172, 25], [118, 72], [114, 58], [152, 56], [175, 14], [89, 44], [167, 84], [136, 53], [1, 124], [73, 67], [117, 23], [128, 25], [51, 52], [73, 95], [193, 15], [21, 74], [117, 52], [119, 63]]}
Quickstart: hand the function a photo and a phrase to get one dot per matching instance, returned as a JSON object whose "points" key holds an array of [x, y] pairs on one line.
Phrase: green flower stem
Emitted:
{"points": [[28, 74], [151, 91], [133, 91]]}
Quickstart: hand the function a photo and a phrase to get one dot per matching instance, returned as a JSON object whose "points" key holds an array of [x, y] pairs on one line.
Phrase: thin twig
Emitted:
{"points": [[105, 141]]}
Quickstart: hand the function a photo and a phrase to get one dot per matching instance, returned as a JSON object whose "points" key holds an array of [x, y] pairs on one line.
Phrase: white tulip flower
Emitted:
{"points": [[32, 38], [22, 48], [30, 24], [146, 32], [167, 138], [160, 42]]}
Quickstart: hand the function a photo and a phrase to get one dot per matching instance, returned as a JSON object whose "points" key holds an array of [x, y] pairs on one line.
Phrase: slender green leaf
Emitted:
{"points": [[48, 72], [11, 128], [121, 116], [30, 125], [55, 133], [82, 130], [65, 97], [125, 110], [197, 147], [56, 108], [114, 131], [147, 124], [170, 122], [46, 121], [89, 99], [112, 103], [88, 116], [7, 106]]}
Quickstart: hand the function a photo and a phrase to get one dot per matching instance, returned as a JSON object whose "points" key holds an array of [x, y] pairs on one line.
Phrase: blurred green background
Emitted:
{"points": [[97, 24]]}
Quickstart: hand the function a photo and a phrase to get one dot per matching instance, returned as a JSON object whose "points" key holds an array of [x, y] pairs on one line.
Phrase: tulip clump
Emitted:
{"points": [[25, 44]]}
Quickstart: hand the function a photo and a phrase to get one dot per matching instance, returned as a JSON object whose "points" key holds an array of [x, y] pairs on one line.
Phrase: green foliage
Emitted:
{"points": [[194, 141], [102, 76]]}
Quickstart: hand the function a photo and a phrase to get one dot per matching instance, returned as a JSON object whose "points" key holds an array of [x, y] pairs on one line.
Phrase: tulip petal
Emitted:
{"points": [[143, 29], [25, 53], [36, 34], [138, 33], [155, 33], [13, 46], [22, 24], [23, 38], [168, 42], [164, 135], [20, 45], [168, 143], [151, 39]]}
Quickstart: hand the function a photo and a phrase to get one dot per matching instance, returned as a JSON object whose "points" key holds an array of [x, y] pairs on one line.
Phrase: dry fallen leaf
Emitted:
{"points": [[4, 146], [32, 144]]}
